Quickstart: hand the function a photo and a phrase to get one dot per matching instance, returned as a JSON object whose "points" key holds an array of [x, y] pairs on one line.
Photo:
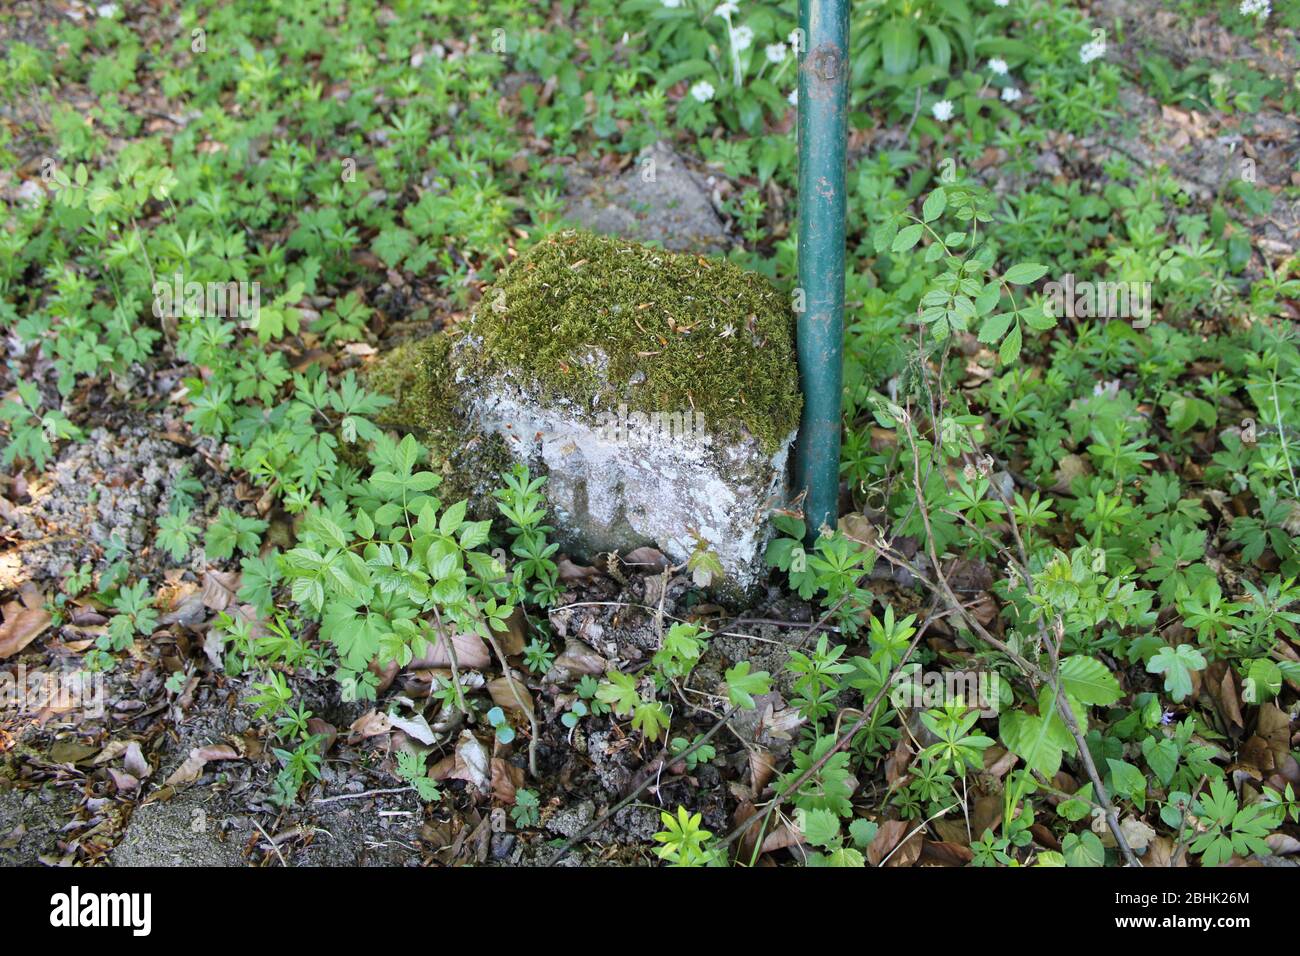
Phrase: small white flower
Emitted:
{"points": [[741, 38], [775, 52], [671, 4], [998, 66], [726, 9], [1094, 50], [702, 91], [1010, 94], [942, 110], [1256, 8], [1001, 3], [793, 98], [106, 10]]}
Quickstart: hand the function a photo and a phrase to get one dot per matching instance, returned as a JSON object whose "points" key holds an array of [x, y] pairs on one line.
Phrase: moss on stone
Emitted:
{"points": [[419, 378], [412, 374], [605, 322]]}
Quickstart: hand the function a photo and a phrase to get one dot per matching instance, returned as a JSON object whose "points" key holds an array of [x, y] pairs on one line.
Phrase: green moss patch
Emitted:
{"points": [[416, 375], [419, 378], [679, 333]]}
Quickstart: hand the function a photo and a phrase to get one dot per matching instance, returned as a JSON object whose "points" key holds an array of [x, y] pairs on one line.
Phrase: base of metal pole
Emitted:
{"points": [[823, 129]]}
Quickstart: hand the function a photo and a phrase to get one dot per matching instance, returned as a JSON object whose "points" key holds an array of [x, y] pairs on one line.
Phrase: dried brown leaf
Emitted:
{"points": [[503, 695], [24, 621], [200, 757], [471, 653], [219, 588]]}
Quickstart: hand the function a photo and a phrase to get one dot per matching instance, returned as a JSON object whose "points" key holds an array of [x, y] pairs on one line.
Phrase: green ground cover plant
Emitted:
{"points": [[1097, 513]]}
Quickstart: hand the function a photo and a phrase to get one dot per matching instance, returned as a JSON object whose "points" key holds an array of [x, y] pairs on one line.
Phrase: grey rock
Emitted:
{"points": [[572, 820], [658, 199], [615, 486]]}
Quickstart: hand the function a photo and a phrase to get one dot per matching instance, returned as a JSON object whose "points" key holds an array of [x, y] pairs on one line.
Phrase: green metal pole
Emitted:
{"points": [[823, 127]]}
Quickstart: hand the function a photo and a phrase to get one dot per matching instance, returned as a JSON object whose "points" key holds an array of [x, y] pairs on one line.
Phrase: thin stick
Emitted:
{"points": [[363, 796], [530, 711], [274, 845], [451, 656]]}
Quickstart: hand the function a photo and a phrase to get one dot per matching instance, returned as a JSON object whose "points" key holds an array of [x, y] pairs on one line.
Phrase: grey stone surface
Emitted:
{"points": [[657, 199], [616, 484]]}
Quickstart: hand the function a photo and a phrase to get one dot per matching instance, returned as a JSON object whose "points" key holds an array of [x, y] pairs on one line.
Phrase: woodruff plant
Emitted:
{"points": [[392, 570]]}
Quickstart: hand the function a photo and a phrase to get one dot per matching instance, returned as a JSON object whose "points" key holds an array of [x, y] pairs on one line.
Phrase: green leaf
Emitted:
{"points": [[742, 685], [1078, 806], [1177, 664], [995, 326], [934, 205], [1263, 681], [907, 237], [1089, 681], [650, 718], [1010, 349], [452, 518], [1039, 740], [1023, 273], [1083, 849], [819, 827], [1128, 780], [1161, 757], [899, 44], [392, 245]]}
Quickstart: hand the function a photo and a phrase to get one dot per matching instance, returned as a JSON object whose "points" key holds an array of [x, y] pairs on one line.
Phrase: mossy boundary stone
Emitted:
{"points": [[658, 391]]}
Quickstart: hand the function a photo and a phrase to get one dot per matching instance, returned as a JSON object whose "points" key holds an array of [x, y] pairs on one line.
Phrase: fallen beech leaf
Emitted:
{"points": [[951, 831], [888, 837], [326, 731], [897, 762], [370, 724], [1275, 727], [219, 588], [504, 697], [985, 814], [71, 750], [1220, 681], [945, 854], [1000, 765], [506, 779], [112, 751], [1281, 844], [1045, 837], [761, 767], [124, 782], [1138, 834], [580, 658], [470, 763], [200, 757], [511, 639], [212, 752], [471, 653], [386, 673], [782, 838], [415, 727], [24, 621], [570, 572], [135, 763], [858, 527], [745, 849], [1160, 853]]}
